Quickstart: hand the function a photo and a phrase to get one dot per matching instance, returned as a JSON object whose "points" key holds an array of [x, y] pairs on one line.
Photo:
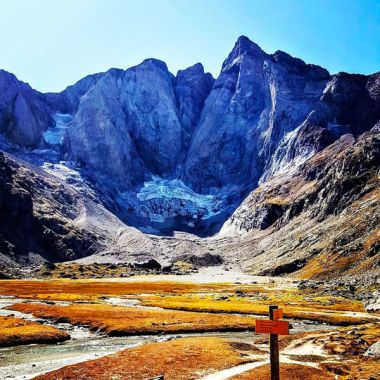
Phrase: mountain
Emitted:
{"points": [[116, 164], [262, 106], [323, 220]]}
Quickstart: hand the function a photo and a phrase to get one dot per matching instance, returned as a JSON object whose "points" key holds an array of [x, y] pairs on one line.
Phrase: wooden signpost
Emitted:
{"points": [[274, 327]]}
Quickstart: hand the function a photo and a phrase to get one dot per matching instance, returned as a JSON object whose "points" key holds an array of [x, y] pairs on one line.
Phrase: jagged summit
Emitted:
{"points": [[156, 62], [298, 65], [198, 67], [243, 46]]}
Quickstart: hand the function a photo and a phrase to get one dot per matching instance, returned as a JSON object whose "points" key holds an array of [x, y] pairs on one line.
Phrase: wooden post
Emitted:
{"points": [[274, 351]]}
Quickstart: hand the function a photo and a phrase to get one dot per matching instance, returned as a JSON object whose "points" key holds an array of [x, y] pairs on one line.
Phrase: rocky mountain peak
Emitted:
{"points": [[155, 62], [195, 69], [298, 66], [243, 47]]}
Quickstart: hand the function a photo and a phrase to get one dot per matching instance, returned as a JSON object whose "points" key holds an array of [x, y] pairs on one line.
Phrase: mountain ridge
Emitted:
{"points": [[165, 153]]}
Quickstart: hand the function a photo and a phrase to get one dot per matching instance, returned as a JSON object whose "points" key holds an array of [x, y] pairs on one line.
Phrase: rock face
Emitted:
{"points": [[269, 113], [321, 187], [139, 121], [24, 114], [257, 99], [68, 100], [98, 137], [37, 217], [192, 86]]}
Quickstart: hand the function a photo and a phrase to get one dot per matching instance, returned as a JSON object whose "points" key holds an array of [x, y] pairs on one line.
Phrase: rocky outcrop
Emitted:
{"points": [[148, 100], [24, 114], [326, 183], [68, 100], [98, 137], [192, 86], [268, 114], [37, 216]]}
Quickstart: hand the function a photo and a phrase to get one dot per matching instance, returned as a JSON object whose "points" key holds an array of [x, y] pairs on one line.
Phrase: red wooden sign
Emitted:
{"points": [[264, 326], [278, 314]]}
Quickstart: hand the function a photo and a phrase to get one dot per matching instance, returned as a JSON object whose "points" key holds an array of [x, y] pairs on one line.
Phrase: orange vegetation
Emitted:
{"points": [[72, 290], [118, 320], [287, 372], [319, 310], [15, 331], [93, 290], [215, 298], [325, 265], [180, 359]]}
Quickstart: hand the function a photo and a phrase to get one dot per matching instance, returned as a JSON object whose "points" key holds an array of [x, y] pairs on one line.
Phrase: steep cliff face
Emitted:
{"points": [[24, 114], [148, 99], [68, 100], [98, 137], [350, 103], [192, 86], [138, 121], [38, 217], [325, 184], [268, 114], [256, 100]]}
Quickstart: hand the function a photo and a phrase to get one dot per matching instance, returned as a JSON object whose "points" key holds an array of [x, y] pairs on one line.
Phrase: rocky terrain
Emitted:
{"points": [[272, 168]]}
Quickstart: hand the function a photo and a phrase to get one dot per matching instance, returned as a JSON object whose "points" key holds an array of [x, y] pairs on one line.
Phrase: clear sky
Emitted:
{"points": [[52, 44]]}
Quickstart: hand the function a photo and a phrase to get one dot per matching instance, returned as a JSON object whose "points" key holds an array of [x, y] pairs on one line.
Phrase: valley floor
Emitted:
{"points": [[198, 326]]}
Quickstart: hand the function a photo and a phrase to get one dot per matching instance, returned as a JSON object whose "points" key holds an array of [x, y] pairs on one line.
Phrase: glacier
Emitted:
{"points": [[54, 135], [160, 200], [170, 189]]}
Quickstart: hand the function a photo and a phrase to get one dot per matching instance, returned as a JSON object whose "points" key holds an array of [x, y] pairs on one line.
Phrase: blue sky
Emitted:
{"points": [[52, 44]]}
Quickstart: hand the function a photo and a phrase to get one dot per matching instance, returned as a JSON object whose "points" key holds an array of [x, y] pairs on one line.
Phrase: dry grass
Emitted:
{"points": [[287, 372], [320, 310], [83, 271], [215, 298], [328, 265], [118, 320], [361, 368], [92, 290], [15, 331], [180, 359], [88, 290]]}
